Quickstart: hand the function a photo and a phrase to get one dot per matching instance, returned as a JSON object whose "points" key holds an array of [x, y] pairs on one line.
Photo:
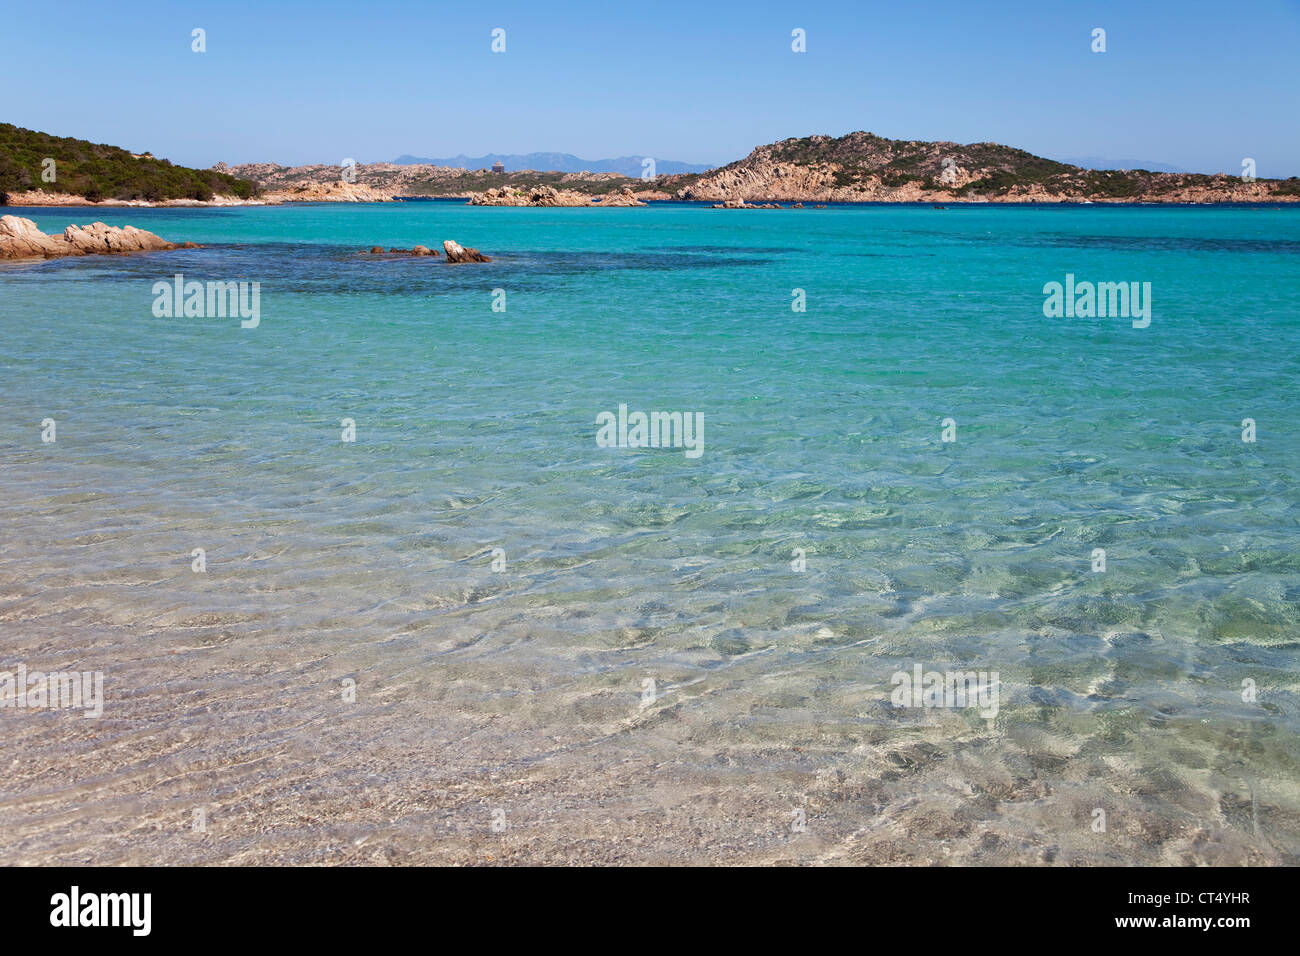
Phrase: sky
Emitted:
{"points": [[1196, 85]]}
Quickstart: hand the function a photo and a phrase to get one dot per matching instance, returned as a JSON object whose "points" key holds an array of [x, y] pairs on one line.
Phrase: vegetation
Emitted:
{"points": [[890, 178], [97, 172]]}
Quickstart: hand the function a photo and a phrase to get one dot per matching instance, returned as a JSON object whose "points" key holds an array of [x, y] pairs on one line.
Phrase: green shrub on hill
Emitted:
{"points": [[95, 171]]}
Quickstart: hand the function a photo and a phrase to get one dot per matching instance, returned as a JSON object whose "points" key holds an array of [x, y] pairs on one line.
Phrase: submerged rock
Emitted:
{"points": [[417, 251], [455, 252], [22, 239]]}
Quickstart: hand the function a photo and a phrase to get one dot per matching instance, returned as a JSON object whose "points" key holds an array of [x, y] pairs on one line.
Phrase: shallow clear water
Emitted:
{"points": [[522, 689]]}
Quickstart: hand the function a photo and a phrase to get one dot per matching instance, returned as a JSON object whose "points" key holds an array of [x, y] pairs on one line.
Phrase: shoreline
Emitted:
{"points": [[1277, 202]]}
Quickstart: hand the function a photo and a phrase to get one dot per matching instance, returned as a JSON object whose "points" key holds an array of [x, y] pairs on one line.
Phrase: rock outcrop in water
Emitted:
{"points": [[550, 196], [337, 191], [458, 253], [624, 198], [455, 252], [23, 239], [539, 196]]}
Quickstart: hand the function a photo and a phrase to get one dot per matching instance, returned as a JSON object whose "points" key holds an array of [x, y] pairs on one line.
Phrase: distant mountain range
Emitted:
{"points": [[557, 162]]}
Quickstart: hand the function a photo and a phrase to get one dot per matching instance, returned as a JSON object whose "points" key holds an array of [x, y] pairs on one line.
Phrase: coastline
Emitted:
{"points": [[311, 192], [82, 203], [36, 198]]}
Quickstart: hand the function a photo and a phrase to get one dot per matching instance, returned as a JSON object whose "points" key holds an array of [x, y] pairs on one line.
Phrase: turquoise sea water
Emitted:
{"points": [[528, 689]]}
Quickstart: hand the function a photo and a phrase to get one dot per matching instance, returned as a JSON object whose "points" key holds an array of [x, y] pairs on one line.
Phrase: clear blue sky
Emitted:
{"points": [[1194, 84]]}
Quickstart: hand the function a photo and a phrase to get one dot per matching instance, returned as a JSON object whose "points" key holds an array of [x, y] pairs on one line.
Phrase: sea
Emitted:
{"points": [[910, 566]]}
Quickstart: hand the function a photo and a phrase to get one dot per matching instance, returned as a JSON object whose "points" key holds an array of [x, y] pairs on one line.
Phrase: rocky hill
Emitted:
{"points": [[859, 167], [389, 180], [384, 180], [862, 167]]}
